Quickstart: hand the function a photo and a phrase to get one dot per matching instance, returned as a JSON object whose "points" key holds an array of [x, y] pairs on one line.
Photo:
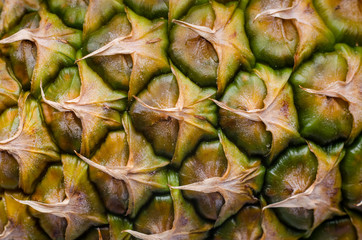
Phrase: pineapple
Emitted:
{"points": [[192, 119]]}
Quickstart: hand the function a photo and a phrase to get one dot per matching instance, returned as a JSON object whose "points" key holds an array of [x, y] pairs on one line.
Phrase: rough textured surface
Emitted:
{"points": [[180, 119]]}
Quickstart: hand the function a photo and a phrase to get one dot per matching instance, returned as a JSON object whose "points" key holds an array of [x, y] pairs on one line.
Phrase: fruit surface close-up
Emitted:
{"points": [[180, 119]]}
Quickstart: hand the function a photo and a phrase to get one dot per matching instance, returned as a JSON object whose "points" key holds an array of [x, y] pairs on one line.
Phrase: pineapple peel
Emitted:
{"points": [[177, 9], [350, 169], [141, 174], [9, 88], [180, 119], [309, 26], [349, 90], [20, 223], [81, 208], [32, 158], [194, 112], [117, 225], [13, 10], [93, 107], [55, 44], [50, 190], [147, 46], [246, 224], [226, 41], [323, 196], [273, 229], [98, 12], [278, 114], [236, 185], [186, 223]]}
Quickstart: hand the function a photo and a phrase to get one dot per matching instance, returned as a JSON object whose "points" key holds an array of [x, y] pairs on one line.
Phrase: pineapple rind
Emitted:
{"points": [[194, 119]]}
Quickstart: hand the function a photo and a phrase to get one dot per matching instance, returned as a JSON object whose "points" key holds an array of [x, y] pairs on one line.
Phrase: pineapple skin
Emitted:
{"points": [[192, 119]]}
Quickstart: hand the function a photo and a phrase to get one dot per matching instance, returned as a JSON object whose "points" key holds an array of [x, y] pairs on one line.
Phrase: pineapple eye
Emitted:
{"points": [[328, 95], [287, 31], [192, 53], [292, 173], [116, 70], [273, 41], [209, 161]]}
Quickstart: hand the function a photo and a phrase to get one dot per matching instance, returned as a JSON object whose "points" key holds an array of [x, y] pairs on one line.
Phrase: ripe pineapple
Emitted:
{"points": [[192, 119]]}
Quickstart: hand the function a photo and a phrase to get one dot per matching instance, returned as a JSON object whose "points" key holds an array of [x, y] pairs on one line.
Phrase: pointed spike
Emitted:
{"points": [[24, 34], [166, 110], [209, 185], [110, 48], [254, 116], [202, 30], [295, 201], [112, 172], [51, 208], [141, 235], [58, 106], [271, 12], [324, 92]]}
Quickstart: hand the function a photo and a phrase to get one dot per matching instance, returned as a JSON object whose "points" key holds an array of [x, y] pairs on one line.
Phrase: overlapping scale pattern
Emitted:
{"points": [[192, 119]]}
